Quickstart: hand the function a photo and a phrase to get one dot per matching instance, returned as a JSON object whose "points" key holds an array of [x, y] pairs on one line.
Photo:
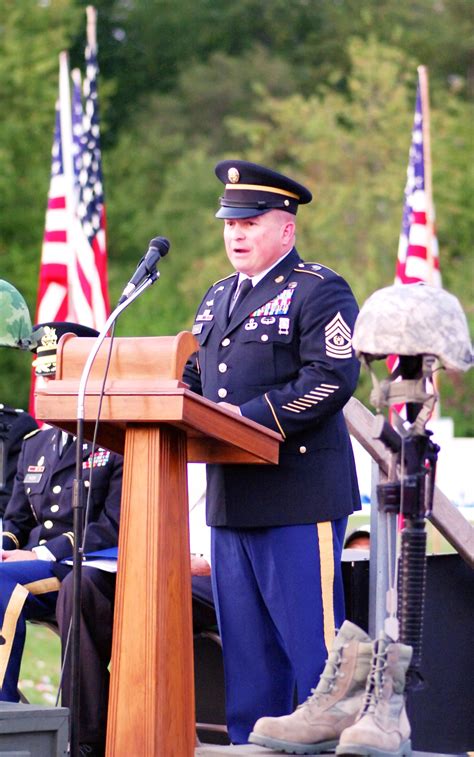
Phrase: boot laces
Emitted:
{"points": [[375, 679], [329, 676]]}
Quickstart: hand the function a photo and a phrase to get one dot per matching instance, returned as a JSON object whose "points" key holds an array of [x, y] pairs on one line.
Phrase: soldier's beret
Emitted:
{"points": [[251, 190], [45, 342]]}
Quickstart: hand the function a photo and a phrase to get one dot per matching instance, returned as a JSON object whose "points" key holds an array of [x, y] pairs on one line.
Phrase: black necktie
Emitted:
{"points": [[242, 291], [63, 447]]}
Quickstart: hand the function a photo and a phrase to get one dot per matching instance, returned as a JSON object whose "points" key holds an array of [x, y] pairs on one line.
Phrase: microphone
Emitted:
{"points": [[157, 249]]}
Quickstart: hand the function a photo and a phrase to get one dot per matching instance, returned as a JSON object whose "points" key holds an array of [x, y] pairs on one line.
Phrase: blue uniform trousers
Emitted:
{"points": [[279, 600], [28, 590]]}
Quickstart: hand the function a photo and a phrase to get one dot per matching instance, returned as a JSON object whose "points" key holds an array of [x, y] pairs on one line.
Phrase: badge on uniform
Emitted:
{"points": [[278, 306], [251, 325], [338, 338], [284, 326], [33, 478], [37, 468], [206, 316], [98, 459]]}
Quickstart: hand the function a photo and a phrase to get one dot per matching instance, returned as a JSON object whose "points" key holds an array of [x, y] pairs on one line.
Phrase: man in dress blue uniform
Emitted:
{"points": [[280, 355], [38, 522]]}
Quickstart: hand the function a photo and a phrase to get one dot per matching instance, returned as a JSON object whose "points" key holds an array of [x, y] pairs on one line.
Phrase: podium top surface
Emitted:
{"points": [[213, 433]]}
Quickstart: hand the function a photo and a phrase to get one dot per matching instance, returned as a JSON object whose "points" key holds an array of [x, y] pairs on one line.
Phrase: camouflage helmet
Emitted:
{"points": [[413, 319], [15, 321]]}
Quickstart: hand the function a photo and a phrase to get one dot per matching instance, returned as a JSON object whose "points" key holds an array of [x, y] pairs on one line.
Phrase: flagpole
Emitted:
{"points": [[425, 106], [65, 117], [91, 13]]}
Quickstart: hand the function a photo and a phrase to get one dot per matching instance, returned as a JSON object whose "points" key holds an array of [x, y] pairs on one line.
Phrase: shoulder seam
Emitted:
{"points": [[32, 433], [311, 273], [321, 266]]}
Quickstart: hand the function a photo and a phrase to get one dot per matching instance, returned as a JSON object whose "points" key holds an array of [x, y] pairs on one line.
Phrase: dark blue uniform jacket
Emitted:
{"points": [[285, 358], [14, 425], [40, 508]]}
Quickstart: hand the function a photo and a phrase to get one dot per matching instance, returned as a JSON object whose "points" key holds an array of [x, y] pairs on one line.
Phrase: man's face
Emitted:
{"points": [[254, 244]]}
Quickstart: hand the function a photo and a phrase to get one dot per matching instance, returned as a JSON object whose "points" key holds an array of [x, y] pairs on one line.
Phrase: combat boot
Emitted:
{"points": [[315, 725], [382, 728]]}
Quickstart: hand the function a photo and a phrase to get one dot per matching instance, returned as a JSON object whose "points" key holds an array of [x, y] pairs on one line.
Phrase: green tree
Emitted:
{"points": [[146, 46], [31, 36]]}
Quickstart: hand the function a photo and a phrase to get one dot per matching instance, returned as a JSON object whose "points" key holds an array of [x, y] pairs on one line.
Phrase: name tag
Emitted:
{"points": [[32, 478]]}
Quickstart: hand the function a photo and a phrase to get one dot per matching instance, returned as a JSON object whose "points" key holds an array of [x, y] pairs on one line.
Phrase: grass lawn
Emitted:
{"points": [[41, 665]]}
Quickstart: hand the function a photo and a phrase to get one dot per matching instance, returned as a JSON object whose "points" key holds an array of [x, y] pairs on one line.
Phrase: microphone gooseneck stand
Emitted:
{"points": [[78, 513]]}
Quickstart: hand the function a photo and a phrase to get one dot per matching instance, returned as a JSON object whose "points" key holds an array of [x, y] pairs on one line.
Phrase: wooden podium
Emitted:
{"points": [[158, 424]]}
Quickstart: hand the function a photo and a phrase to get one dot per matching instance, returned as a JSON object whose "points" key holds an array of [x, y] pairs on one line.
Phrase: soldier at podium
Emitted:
{"points": [[275, 347], [38, 522]]}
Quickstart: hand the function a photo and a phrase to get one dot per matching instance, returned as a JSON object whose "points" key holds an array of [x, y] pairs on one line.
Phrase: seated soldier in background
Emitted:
{"points": [[14, 426], [38, 521], [97, 609], [15, 331]]}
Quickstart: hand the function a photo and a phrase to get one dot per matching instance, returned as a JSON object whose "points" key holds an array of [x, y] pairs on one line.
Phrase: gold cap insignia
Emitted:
{"points": [[49, 340], [45, 362], [233, 175]]}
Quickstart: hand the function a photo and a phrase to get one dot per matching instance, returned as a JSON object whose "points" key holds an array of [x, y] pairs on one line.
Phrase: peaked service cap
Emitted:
{"points": [[46, 337], [251, 190]]}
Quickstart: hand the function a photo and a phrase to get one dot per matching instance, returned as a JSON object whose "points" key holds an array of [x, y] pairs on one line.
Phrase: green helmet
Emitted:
{"points": [[15, 321]]}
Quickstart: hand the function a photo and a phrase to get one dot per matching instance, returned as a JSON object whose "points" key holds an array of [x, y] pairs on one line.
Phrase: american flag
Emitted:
{"points": [[418, 255], [73, 271], [418, 258]]}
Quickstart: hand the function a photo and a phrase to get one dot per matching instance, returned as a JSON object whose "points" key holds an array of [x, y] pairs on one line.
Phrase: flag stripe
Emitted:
{"points": [[414, 263]]}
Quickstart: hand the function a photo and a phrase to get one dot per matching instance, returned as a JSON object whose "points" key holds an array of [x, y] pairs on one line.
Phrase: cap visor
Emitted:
{"points": [[225, 212]]}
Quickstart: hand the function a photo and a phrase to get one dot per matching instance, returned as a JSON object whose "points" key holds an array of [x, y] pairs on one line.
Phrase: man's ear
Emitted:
{"points": [[288, 232]]}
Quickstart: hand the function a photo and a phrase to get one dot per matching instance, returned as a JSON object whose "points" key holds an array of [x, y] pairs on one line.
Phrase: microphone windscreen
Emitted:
{"points": [[161, 244]]}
